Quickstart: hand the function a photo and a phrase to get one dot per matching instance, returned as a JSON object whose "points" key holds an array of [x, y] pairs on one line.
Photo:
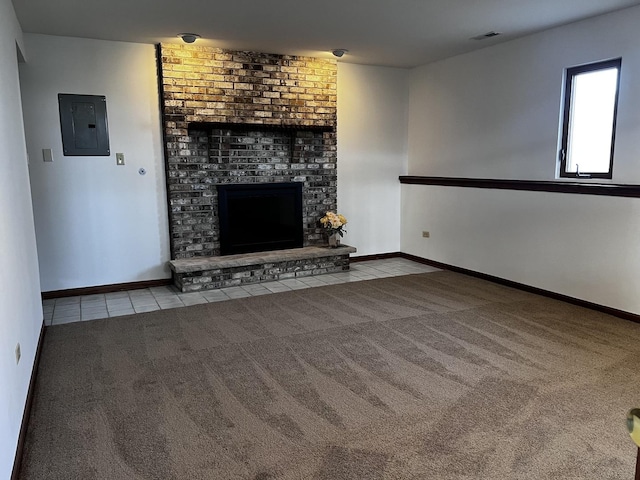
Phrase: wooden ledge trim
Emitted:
{"points": [[606, 189]]}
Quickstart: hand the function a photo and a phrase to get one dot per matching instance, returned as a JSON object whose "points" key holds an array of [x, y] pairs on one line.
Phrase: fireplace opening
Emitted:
{"points": [[260, 217]]}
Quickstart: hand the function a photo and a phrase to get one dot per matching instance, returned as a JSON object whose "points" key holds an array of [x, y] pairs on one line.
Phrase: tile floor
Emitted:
{"points": [[91, 307]]}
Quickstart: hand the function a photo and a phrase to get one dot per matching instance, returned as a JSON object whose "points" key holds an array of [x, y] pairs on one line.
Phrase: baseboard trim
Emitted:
{"points": [[377, 256], [527, 288], [22, 437], [115, 287]]}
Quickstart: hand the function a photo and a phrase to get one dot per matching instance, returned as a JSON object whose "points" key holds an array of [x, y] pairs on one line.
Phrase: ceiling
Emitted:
{"points": [[398, 33]]}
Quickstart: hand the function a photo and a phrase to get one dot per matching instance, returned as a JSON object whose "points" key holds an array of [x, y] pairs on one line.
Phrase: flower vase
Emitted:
{"points": [[334, 240]]}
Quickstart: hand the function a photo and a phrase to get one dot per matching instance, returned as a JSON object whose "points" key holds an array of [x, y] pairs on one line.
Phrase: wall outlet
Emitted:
{"points": [[425, 234], [119, 158], [18, 354]]}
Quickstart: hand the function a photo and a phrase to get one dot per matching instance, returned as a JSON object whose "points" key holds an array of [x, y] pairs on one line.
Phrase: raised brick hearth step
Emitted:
{"points": [[206, 273]]}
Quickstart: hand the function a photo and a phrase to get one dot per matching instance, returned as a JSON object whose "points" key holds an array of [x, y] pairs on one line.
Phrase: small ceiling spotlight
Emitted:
{"points": [[484, 36], [339, 52], [189, 37]]}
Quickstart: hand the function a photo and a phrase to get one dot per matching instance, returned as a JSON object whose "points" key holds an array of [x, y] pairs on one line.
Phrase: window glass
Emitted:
{"points": [[590, 115]]}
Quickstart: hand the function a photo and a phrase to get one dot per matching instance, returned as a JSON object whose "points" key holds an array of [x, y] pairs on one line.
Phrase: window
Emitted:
{"points": [[589, 120]]}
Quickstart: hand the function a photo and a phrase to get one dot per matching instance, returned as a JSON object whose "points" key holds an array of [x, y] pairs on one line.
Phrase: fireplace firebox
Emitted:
{"points": [[260, 217]]}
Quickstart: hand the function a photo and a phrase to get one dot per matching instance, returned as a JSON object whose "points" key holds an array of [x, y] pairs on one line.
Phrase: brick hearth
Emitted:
{"points": [[203, 273]]}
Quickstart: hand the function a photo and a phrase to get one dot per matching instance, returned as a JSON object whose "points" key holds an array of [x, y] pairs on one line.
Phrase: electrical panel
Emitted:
{"points": [[83, 121]]}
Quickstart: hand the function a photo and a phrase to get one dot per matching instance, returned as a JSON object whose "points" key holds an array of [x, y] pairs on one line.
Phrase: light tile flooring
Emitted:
{"points": [[91, 307]]}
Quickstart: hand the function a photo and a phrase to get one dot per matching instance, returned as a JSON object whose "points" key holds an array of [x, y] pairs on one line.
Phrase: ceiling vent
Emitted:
{"points": [[486, 35]]}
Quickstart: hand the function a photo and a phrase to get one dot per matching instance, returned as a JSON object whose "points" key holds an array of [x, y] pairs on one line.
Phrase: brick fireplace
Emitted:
{"points": [[244, 117]]}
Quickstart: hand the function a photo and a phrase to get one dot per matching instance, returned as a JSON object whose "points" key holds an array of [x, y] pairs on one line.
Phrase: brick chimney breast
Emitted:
{"points": [[244, 117]]}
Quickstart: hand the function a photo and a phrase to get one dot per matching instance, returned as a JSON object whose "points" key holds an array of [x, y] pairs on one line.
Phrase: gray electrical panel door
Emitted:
{"points": [[83, 120]]}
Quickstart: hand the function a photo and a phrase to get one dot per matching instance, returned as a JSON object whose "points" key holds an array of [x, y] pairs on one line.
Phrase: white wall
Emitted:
{"points": [[583, 246], [96, 223], [495, 113], [20, 307], [372, 153]]}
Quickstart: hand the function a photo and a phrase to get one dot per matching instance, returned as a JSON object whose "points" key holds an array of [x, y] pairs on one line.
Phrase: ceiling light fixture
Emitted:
{"points": [[189, 37], [339, 52]]}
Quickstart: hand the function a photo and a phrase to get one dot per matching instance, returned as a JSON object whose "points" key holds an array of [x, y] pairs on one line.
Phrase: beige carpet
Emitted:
{"points": [[432, 376]]}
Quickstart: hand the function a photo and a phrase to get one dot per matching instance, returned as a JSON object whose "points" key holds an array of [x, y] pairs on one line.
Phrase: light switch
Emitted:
{"points": [[119, 158], [47, 155]]}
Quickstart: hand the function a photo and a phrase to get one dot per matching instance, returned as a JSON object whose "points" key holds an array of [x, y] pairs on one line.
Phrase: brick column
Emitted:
{"points": [[285, 110]]}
